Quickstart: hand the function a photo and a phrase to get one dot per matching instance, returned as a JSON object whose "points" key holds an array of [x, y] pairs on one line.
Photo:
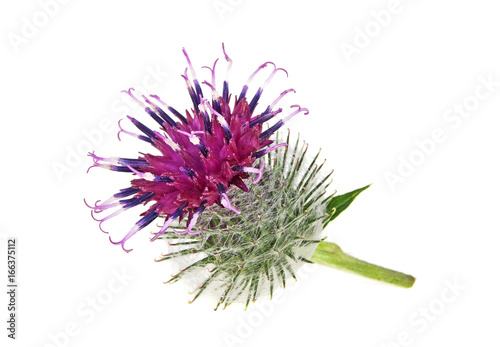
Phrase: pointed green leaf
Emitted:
{"points": [[337, 204]]}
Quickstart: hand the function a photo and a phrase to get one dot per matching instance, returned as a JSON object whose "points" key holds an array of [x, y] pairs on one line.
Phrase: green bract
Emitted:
{"points": [[243, 256], [251, 253]]}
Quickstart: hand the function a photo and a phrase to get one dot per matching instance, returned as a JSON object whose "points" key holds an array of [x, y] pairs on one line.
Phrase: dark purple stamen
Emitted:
{"points": [[166, 118], [178, 115], [227, 134], [202, 149], [243, 92], [133, 162], [271, 130], [164, 179], [264, 118], [142, 128], [155, 117], [171, 109], [267, 150], [170, 219], [225, 91], [147, 219], [128, 203], [192, 94], [221, 188], [179, 210], [126, 192], [187, 172], [206, 122], [254, 101], [198, 90], [118, 168]]}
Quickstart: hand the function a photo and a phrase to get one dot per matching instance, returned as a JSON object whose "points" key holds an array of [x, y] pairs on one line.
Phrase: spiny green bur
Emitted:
{"points": [[248, 255]]}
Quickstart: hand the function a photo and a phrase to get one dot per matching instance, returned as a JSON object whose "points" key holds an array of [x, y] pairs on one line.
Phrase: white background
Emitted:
{"points": [[367, 110]]}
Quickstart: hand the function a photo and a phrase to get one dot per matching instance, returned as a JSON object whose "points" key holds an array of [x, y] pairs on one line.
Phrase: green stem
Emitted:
{"points": [[330, 254]]}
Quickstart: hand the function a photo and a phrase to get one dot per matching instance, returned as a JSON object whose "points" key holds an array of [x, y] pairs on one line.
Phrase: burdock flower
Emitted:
{"points": [[252, 238], [198, 156]]}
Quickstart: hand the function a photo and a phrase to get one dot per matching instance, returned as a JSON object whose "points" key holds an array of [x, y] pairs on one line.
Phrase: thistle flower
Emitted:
{"points": [[202, 155], [249, 238]]}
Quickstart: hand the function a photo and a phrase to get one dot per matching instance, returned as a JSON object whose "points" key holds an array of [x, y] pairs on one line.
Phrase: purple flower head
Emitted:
{"points": [[198, 156]]}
